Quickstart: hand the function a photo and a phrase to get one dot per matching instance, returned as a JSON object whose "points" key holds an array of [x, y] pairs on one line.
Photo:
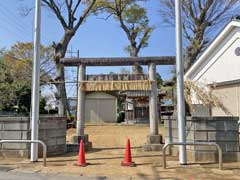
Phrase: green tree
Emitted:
{"points": [[42, 105], [15, 76], [6, 81], [15, 94], [200, 19], [134, 22], [159, 80]]}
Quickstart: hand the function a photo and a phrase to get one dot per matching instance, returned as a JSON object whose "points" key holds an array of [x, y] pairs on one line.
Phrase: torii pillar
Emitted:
{"points": [[80, 135], [154, 139]]}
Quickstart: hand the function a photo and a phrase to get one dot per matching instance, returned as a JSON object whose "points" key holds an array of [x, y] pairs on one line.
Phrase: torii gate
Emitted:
{"points": [[154, 139]]}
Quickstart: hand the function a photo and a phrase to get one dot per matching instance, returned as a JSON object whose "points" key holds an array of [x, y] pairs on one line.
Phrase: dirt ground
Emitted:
{"points": [[108, 151]]}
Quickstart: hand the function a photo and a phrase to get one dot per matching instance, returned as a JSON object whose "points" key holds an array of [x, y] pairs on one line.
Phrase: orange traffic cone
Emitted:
{"points": [[128, 157], [81, 156]]}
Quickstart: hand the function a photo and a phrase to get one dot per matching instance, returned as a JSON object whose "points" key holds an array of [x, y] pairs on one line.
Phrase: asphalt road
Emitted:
{"points": [[11, 175], [38, 176]]}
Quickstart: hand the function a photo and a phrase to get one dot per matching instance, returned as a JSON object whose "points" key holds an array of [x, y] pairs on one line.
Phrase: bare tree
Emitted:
{"points": [[200, 18], [133, 21], [71, 16], [198, 92]]}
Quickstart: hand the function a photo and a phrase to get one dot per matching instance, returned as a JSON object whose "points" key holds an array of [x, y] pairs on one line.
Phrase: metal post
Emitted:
{"points": [[180, 84], [35, 82], [153, 112], [81, 102]]}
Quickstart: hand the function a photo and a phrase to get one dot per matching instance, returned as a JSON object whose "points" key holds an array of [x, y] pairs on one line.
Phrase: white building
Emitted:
{"points": [[100, 107], [220, 65]]}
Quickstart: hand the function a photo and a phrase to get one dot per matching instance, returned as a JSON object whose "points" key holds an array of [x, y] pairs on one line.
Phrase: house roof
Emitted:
{"points": [[201, 62]]}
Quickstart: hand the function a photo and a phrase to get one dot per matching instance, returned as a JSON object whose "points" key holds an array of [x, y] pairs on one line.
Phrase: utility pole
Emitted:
{"points": [[78, 84], [35, 82], [180, 83]]}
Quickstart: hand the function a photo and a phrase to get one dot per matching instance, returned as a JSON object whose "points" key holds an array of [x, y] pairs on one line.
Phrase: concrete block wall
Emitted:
{"points": [[14, 128], [52, 131], [222, 130]]}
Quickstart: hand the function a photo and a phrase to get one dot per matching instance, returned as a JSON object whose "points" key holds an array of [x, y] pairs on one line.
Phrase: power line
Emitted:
{"points": [[19, 24], [16, 34], [17, 31], [9, 14], [13, 23]]}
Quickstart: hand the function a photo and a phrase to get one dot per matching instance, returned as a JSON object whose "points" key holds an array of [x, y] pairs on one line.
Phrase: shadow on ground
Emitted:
{"points": [[155, 175]]}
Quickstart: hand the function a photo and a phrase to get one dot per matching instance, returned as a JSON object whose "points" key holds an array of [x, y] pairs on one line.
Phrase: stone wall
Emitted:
{"points": [[222, 130], [52, 131]]}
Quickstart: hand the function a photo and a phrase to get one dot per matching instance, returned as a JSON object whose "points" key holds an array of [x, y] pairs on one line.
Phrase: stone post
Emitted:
{"points": [[81, 102], [80, 114], [153, 139], [153, 101]]}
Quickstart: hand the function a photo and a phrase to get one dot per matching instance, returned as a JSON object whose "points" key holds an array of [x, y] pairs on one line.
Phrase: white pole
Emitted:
{"points": [[35, 82], [180, 83]]}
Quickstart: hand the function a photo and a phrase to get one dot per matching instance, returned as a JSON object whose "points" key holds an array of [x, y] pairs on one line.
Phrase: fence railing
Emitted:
{"points": [[193, 144], [30, 141]]}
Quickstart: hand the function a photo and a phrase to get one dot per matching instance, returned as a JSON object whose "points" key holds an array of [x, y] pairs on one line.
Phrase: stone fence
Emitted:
{"points": [[52, 131], [222, 130]]}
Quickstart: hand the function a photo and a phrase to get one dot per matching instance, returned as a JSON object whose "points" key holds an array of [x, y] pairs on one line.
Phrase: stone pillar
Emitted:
{"points": [[153, 101], [81, 102], [80, 115], [153, 139]]}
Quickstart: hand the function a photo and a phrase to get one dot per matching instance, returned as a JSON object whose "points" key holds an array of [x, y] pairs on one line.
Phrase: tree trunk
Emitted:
{"points": [[136, 69], [60, 51], [63, 108]]}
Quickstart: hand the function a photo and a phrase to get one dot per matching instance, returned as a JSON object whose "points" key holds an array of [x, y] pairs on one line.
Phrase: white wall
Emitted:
{"points": [[218, 64], [223, 64], [230, 98], [100, 107]]}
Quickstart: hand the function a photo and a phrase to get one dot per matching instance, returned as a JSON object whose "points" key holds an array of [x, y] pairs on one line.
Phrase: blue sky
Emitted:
{"points": [[96, 38]]}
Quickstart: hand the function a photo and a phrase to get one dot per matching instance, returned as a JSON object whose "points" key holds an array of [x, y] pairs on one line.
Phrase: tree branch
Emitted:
{"points": [[85, 14], [69, 9], [51, 4], [143, 39], [76, 7]]}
